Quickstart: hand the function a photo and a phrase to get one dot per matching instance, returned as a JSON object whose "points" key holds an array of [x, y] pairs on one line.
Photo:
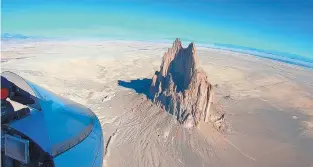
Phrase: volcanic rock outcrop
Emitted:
{"points": [[182, 88]]}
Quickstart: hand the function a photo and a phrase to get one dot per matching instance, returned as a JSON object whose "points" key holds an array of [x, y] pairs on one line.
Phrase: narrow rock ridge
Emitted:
{"points": [[182, 88]]}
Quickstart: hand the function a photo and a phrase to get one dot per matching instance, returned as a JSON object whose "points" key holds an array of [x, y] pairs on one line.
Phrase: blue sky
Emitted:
{"points": [[278, 25]]}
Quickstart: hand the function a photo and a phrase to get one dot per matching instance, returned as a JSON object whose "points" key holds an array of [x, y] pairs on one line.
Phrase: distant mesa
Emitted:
{"points": [[182, 88]]}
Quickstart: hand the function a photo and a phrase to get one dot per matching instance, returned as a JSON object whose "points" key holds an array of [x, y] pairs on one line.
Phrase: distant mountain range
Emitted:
{"points": [[8, 36], [20, 37]]}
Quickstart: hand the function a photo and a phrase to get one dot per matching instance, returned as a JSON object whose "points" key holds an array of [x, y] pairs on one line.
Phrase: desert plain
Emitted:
{"points": [[268, 104]]}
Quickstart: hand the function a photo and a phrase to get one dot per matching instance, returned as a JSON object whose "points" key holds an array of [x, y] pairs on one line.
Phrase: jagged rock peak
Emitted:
{"points": [[177, 43], [182, 87]]}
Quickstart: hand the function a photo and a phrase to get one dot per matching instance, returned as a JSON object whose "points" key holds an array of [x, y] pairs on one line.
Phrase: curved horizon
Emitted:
{"points": [[279, 26]]}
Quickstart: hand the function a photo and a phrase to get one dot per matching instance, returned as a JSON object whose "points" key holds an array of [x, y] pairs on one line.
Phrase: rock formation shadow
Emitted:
{"points": [[139, 85]]}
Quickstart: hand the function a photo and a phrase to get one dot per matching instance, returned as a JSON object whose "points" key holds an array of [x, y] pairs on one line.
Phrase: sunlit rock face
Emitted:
{"points": [[182, 88]]}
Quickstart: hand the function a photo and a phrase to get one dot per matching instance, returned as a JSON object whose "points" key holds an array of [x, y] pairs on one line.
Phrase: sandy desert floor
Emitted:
{"points": [[268, 104]]}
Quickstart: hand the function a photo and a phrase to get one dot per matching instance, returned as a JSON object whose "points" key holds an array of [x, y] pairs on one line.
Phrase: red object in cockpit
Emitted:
{"points": [[4, 93]]}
